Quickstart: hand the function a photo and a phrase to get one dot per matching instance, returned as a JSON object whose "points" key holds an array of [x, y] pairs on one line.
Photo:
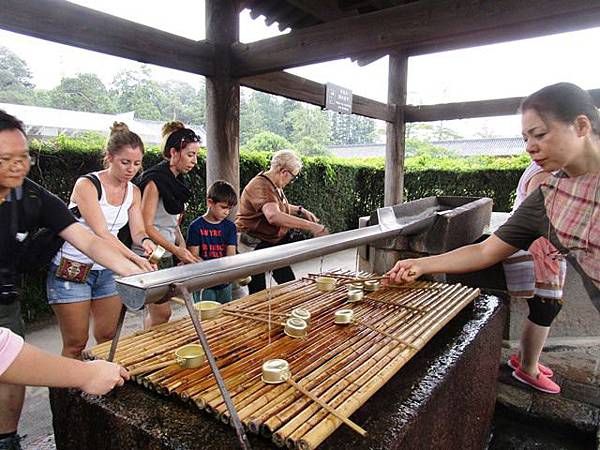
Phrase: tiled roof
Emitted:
{"points": [[463, 147], [49, 122]]}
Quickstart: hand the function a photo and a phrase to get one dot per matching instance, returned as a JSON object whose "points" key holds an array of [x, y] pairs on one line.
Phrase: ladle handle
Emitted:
{"points": [[329, 409], [151, 367]]}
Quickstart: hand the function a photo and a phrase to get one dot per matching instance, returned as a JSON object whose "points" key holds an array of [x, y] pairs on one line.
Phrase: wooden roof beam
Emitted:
{"points": [[470, 110], [71, 24], [304, 90], [324, 10], [415, 25]]}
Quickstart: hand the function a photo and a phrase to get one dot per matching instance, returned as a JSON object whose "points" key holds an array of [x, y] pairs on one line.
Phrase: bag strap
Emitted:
{"points": [[95, 181]]}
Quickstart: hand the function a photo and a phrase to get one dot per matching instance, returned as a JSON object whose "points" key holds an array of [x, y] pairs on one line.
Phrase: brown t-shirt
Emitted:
{"points": [[250, 218]]}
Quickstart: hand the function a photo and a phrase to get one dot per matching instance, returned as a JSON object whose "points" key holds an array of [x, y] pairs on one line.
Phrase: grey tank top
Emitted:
{"points": [[165, 223]]}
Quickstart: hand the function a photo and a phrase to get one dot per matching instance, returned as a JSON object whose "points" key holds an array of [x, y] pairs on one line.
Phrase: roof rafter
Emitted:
{"points": [[70, 24], [416, 26]]}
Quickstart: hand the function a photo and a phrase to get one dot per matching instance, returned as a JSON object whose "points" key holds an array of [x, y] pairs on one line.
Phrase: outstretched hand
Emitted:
{"points": [[103, 377], [404, 271]]}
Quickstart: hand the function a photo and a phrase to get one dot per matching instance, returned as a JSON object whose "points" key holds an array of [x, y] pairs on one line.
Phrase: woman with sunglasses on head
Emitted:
{"points": [[164, 195], [561, 127], [77, 288], [265, 217]]}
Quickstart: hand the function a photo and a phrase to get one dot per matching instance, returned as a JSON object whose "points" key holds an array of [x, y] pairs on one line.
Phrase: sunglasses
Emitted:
{"points": [[180, 138], [185, 140]]}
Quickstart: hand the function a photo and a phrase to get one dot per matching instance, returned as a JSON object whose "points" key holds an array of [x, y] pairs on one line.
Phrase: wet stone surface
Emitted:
{"points": [[443, 398]]}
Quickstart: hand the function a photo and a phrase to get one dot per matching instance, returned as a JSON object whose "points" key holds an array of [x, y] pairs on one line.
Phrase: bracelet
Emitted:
{"points": [[300, 210], [144, 238]]}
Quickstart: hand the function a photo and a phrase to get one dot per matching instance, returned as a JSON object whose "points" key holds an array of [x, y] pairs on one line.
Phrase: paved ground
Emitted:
{"points": [[524, 420]]}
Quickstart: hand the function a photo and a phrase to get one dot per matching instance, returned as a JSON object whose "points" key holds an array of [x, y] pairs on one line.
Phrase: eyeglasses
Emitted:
{"points": [[20, 160], [294, 176]]}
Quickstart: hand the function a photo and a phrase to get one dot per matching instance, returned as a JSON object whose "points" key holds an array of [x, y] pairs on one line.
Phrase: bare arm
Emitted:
{"points": [[276, 217], [230, 250], [96, 249], [465, 259], [303, 212], [136, 223], [34, 367], [86, 198], [149, 207]]}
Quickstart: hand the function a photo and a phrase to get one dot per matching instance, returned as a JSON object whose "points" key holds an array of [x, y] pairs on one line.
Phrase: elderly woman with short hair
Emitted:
{"points": [[265, 217]]}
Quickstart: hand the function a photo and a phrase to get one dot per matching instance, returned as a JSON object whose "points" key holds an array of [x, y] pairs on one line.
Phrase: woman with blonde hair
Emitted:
{"points": [[164, 195], [105, 201], [265, 217]]}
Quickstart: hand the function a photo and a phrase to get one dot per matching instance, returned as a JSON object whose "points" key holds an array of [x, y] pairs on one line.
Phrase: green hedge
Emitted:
{"points": [[338, 191]]}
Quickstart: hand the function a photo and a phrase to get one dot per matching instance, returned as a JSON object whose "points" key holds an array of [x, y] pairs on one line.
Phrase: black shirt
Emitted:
{"points": [[51, 212]]}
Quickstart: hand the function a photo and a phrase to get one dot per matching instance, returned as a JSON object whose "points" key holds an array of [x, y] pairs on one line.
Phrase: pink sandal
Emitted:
{"points": [[515, 363], [541, 382]]}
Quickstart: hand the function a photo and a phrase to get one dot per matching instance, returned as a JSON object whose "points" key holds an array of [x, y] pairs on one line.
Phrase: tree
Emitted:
{"points": [[416, 147], [267, 141], [309, 146], [136, 91], [16, 84], [351, 129], [309, 122], [184, 102], [431, 132], [83, 92], [264, 112]]}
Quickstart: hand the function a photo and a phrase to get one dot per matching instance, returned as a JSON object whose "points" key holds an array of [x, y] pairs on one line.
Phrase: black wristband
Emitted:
{"points": [[144, 238]]}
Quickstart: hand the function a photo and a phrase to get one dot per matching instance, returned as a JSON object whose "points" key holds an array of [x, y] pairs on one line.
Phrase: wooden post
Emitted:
{"points": [[395, 145], [222, 96]]}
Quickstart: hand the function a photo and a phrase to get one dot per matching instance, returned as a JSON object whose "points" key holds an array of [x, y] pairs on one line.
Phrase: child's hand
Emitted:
{"points": [[185, 256]]}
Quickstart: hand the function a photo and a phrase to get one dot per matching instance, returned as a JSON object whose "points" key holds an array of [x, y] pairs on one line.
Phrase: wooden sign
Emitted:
{"points": [[338, 98]]}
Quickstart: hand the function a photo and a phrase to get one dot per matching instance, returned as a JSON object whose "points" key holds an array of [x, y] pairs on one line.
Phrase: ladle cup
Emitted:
{"points": [[189, 356], [277, 371]]}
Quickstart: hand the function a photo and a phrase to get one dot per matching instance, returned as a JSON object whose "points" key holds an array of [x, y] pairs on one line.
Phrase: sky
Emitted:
{"points": [[495, 71]]}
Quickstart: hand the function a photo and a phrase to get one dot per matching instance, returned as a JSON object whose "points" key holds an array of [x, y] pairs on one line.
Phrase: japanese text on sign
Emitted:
{"points": [[338, 98]]}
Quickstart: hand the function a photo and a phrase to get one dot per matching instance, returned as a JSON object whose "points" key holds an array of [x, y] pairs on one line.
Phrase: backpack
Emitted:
{"points": [[38, 249]]}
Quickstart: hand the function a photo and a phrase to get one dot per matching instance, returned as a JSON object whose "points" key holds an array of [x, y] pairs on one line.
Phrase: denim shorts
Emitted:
{"points": [[222, 295], [99, 284]]}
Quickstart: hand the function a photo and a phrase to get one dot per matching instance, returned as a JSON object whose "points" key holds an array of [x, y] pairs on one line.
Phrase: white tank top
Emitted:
{"points": [[115, 216]]}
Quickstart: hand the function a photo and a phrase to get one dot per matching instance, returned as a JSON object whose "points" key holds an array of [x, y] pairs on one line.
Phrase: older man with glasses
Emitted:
{"points": [[266, 218], [24, 208]]}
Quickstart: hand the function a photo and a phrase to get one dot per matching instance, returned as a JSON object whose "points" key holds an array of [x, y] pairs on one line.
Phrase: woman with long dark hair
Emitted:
{"points": [[164, 195], [561, 127]]}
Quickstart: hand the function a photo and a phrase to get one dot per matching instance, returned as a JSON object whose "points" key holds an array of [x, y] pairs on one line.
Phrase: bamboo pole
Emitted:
{"points": [[328, 408], [335, 372]]}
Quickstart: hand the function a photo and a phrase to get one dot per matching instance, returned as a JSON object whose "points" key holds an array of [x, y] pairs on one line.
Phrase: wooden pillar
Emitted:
{"points": [[222, 96], [395, 143]]}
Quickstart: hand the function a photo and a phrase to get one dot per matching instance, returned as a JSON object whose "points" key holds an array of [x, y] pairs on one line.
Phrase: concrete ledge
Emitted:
{"points": [[456, 371]]}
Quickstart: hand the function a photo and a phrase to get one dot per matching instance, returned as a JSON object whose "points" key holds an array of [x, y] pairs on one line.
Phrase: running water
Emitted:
{"points": [[269, 276]]}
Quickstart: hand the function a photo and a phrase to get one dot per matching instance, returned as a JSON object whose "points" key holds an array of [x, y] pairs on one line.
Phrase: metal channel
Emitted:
{"points": [[137, 290]]}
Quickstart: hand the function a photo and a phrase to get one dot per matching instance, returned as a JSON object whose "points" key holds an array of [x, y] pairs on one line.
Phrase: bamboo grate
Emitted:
{"points": [[344, 365]]}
